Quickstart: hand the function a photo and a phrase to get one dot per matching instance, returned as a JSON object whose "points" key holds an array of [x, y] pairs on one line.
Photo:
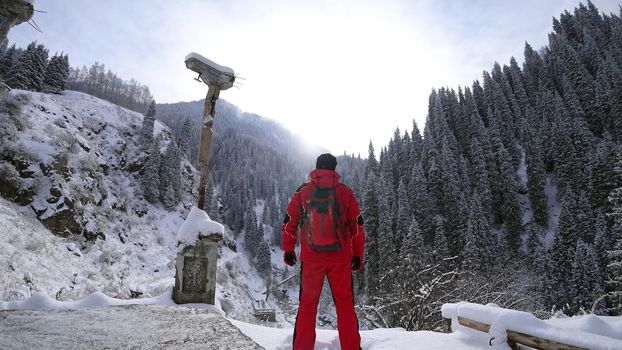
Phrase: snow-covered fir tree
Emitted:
{"points": [[169, 177], [145, 137], [150, 178], [56, 74], [29, 70], [8, 58], [105, 84], [264, 265], [614, 255], [184, 138], [556, 117]]}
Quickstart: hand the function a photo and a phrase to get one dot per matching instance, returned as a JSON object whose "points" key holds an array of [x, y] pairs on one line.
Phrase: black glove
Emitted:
{"points": [[290, 258], [356, 263]]}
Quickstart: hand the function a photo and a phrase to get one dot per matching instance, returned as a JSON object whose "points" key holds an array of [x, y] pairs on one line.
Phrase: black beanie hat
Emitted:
{"points": [[326, 161]]}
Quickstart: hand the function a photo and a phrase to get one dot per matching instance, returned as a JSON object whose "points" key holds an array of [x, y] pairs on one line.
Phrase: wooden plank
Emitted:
{"points": [[482, 327], [539, 343], [519, 338]]}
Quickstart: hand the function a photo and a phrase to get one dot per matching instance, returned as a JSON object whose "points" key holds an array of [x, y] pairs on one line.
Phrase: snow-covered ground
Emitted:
{"points": [[104, 322], [377, 339], [120, 327]]}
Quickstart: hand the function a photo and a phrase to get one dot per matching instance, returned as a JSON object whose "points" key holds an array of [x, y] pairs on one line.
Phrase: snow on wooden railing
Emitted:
{"points": [[506, 328]]}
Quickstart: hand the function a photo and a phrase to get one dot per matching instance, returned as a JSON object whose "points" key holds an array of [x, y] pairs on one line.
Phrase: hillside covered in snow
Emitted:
{"points": [[73, 215]]}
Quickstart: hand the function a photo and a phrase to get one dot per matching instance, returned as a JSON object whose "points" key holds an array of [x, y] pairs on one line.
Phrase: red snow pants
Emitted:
{"points": [[311, 281]]}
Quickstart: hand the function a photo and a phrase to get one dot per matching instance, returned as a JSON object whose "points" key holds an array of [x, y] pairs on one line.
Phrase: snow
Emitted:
{"points": [[32, 255], [96, 319], [209, 62], [163, 306], [120, 327], [197, 223], [377, 339], [608, 326], [41, 301], [500, 320]]}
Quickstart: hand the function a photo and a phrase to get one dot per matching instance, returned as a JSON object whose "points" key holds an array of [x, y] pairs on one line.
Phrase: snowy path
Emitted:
{"points": [[377, 339], [120, 327], [174, 327]]}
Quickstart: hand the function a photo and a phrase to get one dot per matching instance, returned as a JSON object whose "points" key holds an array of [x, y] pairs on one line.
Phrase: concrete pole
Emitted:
{"points": [[205, 141]]}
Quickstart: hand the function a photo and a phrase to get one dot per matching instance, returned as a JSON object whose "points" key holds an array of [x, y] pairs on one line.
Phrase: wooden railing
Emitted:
{"points": [[515, 338], [520, 329]]}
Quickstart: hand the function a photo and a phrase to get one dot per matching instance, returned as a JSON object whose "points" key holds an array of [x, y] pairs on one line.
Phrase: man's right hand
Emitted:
{"points": [[290, 258]]}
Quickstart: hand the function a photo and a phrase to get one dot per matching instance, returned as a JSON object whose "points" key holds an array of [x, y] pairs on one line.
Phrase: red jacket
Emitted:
{"points": [[353, 221]]}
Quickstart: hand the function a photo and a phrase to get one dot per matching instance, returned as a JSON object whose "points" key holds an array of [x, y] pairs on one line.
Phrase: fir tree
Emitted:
{"points": [[184, 139], [536, 178], [509, 204], [170, 183], [7, 60], [413, 257], [370, 210], [146, 132], [440, 251], [150, 180], [264, 265], [479, 248], [56, 74], [414, 253], [386, 246], [421, 204], [251, 234], [480, 174], [403, 215], [28, 72], [604, 180], [614, 266], [211, 200], [585, 280]]}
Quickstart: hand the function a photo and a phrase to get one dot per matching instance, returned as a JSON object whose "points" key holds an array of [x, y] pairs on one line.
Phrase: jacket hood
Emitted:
{"points": [[325, 178]]}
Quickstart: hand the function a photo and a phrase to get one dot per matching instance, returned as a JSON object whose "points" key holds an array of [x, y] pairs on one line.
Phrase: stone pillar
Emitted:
{"points": [[195, 275]]}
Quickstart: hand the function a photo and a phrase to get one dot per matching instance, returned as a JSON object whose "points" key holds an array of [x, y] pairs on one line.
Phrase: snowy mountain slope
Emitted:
{"points": [[228, 116], [23, 240], [75, 220]]}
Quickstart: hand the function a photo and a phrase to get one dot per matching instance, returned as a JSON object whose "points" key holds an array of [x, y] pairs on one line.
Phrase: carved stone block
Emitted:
{"points": [[195, 275]]}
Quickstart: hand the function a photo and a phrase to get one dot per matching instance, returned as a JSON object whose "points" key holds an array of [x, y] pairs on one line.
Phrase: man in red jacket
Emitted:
{"points": [[331, 244]]}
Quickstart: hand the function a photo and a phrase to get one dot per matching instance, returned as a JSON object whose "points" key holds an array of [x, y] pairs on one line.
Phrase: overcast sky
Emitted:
{"points": [[338, 73]]}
